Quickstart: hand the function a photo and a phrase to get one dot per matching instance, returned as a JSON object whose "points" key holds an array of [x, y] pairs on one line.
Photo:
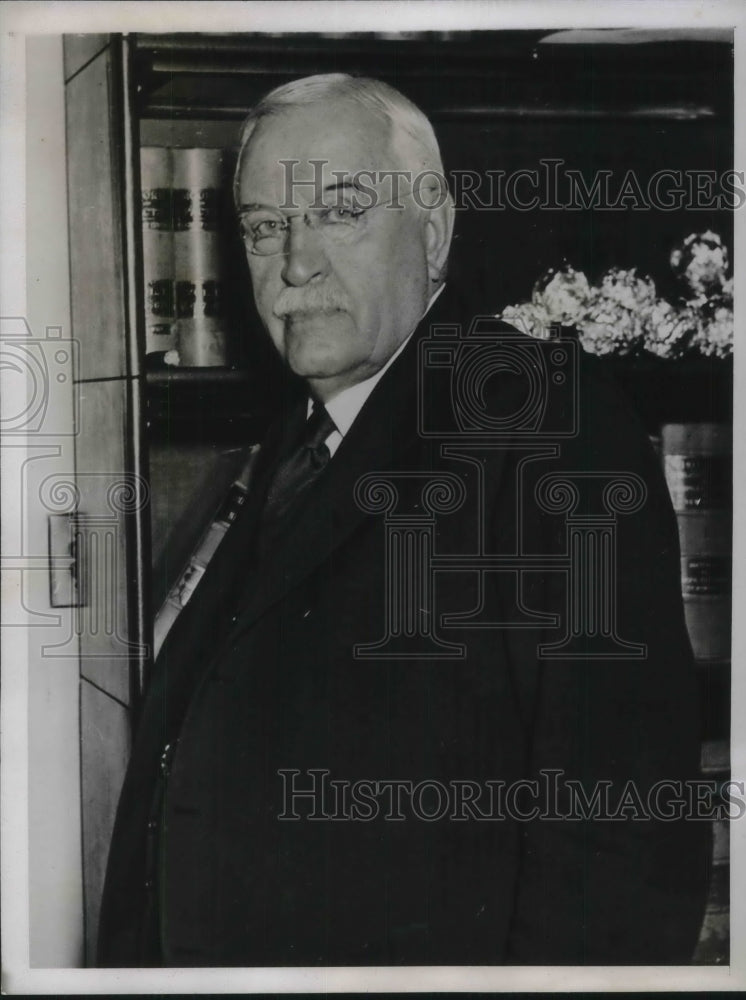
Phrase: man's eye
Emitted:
{"points": [[342, 215], [266, 227]]}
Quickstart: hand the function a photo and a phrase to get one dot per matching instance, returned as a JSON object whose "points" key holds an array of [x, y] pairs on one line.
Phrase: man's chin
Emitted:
{"points": [[317, 343], [312, 365]]}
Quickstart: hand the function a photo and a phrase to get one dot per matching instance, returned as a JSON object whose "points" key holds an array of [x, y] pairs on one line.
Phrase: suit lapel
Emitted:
{"points": [[384, 430], [381, 436], [226, 574], [239, 587]]}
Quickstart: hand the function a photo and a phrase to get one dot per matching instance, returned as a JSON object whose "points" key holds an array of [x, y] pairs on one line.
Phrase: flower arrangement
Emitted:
{"points": [[623, 314]]}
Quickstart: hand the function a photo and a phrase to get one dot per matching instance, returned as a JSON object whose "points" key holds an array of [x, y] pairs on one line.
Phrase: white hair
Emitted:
{"points": [[411, 134]]}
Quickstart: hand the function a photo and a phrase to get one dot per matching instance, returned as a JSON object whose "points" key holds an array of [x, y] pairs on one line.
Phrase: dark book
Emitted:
{"points": [[697, 460]]}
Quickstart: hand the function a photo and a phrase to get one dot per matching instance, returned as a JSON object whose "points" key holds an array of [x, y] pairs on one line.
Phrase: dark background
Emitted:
{"points": [[498, 101]]}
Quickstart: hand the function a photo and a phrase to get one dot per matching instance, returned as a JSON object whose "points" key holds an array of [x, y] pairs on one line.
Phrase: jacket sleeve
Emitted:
{"points": [[629, 889]]}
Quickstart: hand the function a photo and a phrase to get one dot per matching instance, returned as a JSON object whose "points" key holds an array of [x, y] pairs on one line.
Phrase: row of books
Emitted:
{"points": [[182, 191], [697, 461]]}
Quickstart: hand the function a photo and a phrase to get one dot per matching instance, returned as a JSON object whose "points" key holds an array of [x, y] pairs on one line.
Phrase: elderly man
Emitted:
{"points": [[386, 729]]}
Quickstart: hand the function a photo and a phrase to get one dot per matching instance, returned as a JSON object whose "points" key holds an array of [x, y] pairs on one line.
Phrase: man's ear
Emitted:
{"points": [[438, 235]]}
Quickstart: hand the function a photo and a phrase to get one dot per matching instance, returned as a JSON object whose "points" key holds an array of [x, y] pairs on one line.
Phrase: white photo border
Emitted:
{"points": [[19, 20]]}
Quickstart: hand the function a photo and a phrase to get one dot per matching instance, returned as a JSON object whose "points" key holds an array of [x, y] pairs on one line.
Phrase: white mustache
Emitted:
{"points": [[316, 298]]}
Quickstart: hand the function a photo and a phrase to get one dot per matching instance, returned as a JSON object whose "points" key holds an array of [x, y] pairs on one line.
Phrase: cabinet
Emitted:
{"points": [[502, 103]]}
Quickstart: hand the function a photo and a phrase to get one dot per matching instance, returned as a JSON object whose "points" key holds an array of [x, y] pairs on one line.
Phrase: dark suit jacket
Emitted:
{"points": [[259, 675]]}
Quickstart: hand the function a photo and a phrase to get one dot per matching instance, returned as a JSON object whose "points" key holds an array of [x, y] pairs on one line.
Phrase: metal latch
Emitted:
{"points": [[65, 580]]}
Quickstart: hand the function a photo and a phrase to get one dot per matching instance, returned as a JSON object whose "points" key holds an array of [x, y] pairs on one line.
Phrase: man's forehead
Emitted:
{"points": [[321, 144]]}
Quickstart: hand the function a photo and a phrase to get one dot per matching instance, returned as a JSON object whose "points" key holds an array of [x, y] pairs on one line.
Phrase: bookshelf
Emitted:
{"points": [[222, 405], [498, 100]]}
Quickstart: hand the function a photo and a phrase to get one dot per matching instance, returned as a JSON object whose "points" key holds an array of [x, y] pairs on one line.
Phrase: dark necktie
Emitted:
{"points": [[297, 472]]}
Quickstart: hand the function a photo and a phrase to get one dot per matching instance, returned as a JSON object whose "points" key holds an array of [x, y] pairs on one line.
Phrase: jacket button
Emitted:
{"points": [[165, 762]]}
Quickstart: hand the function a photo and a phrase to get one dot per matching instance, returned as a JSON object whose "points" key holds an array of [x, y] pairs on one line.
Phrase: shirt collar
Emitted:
{"points": [[345, 406]]}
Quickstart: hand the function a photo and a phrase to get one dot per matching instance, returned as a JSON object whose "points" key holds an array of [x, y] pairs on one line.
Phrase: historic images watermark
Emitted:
{"points": [[550, 185], [313, 794]]}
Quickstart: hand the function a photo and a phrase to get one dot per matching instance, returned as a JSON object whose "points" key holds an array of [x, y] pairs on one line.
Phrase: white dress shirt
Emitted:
{"points": [[345, 406]]}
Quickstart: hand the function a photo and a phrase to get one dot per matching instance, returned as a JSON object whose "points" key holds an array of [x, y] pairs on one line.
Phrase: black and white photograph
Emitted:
{"points": [[368, 467]]}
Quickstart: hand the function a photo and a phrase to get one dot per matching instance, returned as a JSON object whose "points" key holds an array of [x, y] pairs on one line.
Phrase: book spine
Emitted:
{"points": [[199, 177], [697, 465], [713, 945], [697, 460], [157, 249]]}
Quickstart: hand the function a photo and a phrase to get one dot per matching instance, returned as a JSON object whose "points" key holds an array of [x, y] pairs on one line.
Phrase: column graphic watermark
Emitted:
{"points": [[512, 404]]}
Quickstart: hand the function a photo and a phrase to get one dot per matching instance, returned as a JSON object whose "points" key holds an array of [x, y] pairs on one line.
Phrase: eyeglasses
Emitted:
{"points": [[265, 230]]}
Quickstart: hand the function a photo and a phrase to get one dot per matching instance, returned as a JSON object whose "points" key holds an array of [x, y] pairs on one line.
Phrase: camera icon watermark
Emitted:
{"points": [[502, 384], [499, 403], [39, 376]]}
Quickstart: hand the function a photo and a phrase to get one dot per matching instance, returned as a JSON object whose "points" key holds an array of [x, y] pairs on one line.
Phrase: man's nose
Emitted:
{"points": [[305, 258]]}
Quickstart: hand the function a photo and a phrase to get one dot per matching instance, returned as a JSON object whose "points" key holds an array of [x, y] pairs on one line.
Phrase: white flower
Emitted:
{"points": [[714, 337], [624, 315], [667, 331], [562, 294], [609, 326], [628, 288], [701, 262], [529, 318], [598, 338]]}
